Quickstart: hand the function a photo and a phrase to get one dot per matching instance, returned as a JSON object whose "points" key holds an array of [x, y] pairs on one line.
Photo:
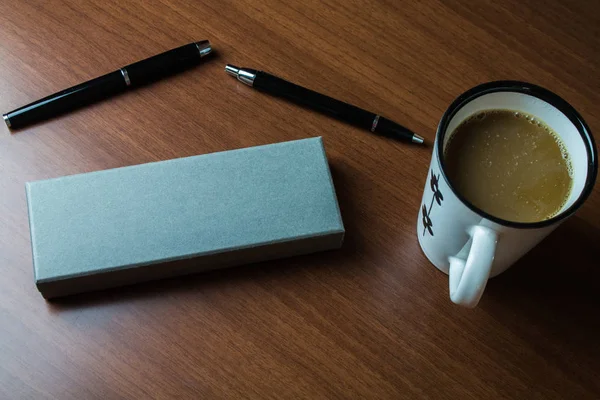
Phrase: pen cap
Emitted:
{"points": [[167, 63]]}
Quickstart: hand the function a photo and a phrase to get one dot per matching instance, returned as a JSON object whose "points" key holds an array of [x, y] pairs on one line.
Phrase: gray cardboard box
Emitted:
{"points": [[121, 226]]}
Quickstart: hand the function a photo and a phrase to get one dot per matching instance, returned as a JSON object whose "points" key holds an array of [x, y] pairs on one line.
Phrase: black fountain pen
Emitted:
{"points": [[319, 102], [131, 76]]}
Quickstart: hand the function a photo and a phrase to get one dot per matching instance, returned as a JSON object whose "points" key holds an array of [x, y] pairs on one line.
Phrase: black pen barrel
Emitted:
{"points": [[315, 101], [321, 103], [67, 100], [133, 75]]}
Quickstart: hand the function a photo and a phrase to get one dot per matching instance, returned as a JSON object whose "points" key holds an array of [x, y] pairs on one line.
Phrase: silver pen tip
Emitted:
{"points": [[232, 70], [246, 76], [6, 120], [417, 139]]}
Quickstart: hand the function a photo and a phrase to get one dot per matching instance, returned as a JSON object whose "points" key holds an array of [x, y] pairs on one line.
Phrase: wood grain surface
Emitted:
{"points": [[372, 320]]}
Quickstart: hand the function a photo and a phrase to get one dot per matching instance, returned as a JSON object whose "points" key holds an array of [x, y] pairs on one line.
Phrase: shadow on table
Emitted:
{"points": [[552, 295], [565, 266], [256, 272]]}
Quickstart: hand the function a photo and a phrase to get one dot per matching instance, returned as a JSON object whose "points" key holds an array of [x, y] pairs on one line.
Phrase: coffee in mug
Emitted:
{"points": [[509, 164]]}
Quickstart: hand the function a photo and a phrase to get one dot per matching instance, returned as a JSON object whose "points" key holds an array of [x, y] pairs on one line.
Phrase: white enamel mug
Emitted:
{"points": [[467, 243]]}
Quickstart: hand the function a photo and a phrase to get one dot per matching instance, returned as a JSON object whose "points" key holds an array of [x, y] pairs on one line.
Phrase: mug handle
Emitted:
{"points": [[468, 278]]}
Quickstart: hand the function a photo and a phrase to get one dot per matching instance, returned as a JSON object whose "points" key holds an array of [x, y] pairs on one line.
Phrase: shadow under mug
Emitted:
{"points": [[464, 241]]}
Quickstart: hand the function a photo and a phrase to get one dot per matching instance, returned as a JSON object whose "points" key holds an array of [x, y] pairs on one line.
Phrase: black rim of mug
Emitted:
{"points": [[550, 98]]}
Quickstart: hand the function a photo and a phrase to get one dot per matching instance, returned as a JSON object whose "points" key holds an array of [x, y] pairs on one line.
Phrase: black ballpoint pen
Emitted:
{"points": [[337, 109], [130, 76]]}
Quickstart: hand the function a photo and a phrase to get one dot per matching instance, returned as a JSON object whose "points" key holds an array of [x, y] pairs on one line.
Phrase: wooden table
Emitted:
{"points": [[372, 320]]}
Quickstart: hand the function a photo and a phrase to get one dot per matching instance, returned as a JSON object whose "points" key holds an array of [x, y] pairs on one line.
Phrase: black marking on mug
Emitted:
{"points": [[438, 197]]}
